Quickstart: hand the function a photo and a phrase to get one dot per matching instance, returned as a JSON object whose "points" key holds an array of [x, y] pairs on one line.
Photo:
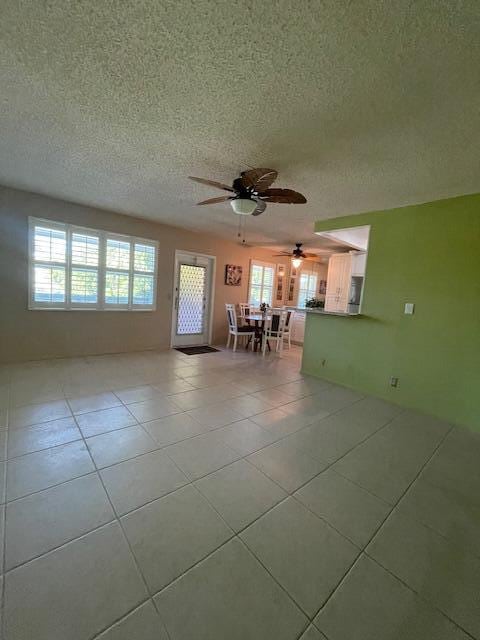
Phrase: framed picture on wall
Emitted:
{"points": [[280, 283], [233, 275], [292, 280]]}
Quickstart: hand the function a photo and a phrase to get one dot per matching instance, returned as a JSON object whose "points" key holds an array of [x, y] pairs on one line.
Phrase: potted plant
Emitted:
{"points": [[315, 303]]}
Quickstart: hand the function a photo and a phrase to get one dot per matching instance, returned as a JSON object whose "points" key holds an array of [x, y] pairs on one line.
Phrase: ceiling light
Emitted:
{"points": [[296, 262], [243, 206]]}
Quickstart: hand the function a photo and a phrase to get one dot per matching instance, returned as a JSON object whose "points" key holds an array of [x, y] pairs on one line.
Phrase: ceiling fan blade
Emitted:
{"points": [[310, 255], [258, 179], [260, 208], [212, 183], [214, 200], [286, 196], [282, 255]]}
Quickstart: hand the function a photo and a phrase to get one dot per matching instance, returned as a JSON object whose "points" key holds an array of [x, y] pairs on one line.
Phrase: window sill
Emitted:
{"points": [[83, 309]]}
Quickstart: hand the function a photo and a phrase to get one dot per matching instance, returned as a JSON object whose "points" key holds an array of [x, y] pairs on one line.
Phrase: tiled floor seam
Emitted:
{"points": [[235, 536], [59, 546], [3, 632], [329, 465], [370, 435], [377, 530], [68, 398], [110, 625], [241, 455], [404, 493], [245, 456], [419, 595], [118, 520], [240, 531]]}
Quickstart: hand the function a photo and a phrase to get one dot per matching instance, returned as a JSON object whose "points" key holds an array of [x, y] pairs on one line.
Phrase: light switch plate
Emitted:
{"points": [[409, 308]]}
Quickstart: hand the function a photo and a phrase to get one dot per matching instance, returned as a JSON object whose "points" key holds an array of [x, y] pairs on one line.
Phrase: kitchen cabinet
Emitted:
{"points": [[346, 272], [359, 263], [338, 282]]}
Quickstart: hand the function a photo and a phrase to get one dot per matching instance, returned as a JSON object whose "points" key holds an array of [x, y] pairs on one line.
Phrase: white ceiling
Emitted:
{"points": [[359, 105]]}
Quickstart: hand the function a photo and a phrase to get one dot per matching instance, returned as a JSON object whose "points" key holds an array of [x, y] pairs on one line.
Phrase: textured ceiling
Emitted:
{"points": [[360, 105]]}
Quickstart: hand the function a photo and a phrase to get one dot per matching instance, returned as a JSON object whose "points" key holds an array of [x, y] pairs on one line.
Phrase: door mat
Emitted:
{"points": [[193, 351]]}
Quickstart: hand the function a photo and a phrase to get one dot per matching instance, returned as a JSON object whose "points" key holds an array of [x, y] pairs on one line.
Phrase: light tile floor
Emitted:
{"points": [[158, 496]]}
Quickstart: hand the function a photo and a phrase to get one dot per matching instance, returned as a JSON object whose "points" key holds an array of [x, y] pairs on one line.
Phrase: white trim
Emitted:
{"points": [[213, 264], [101, 269]]}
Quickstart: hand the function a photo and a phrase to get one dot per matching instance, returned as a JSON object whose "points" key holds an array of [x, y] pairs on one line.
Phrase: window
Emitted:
{"points": [[262, 276], [307, 288], [76, 268]]}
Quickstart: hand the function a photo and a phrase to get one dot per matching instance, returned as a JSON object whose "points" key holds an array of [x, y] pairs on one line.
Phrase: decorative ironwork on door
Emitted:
{"points": [[191, 299]]}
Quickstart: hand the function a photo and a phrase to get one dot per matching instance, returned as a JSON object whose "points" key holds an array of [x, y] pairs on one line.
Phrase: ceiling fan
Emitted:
{"points": [[297, 255], [251, 191]]}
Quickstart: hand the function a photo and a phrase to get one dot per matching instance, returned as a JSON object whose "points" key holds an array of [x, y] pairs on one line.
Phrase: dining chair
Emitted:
{"points": [[288, 326], [245, 310], [236, 331], [273, 329]]}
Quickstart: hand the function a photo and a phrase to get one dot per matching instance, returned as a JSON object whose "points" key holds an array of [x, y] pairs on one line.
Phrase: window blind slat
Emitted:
{"points": [[50, 245], [144, 259], [49, 284], [118, 254], [85, 249]]}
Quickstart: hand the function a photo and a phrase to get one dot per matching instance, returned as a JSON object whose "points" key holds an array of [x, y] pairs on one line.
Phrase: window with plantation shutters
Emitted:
{"points": [[307, 288], [262, 277], [76, 268]]}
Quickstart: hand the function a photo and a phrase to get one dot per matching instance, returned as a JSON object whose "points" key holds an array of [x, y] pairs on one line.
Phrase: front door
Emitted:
{"points": [[192, 300]]}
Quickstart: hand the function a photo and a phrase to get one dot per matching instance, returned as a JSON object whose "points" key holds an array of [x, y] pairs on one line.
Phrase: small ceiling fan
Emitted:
{"points": [[297, 255], [251, 191]]}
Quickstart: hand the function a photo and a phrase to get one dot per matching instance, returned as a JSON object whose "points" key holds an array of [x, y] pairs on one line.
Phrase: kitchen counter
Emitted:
{"points": [[321, 312]]}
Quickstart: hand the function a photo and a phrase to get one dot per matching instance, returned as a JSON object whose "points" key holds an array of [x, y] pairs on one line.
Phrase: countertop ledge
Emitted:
{"points": [[319, 312]]}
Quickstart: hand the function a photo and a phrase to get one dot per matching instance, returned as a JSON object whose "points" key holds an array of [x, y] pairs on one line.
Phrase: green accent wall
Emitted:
{"points": [[427, 254]]}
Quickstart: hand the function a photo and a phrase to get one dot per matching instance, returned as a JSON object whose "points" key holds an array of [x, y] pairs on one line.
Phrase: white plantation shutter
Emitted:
{"points": [[117, 277], [143, 274], [76, 268], [307, 288], [262, 277], [47, 273], [85, 257]]}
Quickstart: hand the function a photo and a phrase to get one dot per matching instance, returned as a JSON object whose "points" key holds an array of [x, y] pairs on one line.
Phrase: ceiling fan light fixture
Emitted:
{"points": [[243, 206], [297, 262]]}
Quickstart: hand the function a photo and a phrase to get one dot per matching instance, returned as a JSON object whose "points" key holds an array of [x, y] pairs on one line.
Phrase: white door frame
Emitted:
{"points": [[211, 288]]}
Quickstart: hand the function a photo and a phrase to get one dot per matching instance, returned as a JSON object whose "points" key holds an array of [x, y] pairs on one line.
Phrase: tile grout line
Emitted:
{"points": [[241, 457], [82, 437], [3, 622], [237, 534], [363, 551], [125, 537], [164, 447]]}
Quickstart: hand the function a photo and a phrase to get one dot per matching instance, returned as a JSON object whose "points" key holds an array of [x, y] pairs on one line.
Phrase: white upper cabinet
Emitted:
{"points": [[338, 282], [359, 263]]}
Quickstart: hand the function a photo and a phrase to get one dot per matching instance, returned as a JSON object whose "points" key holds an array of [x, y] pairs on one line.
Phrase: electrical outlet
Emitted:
{"points": [[393, 382], [409, 308]]}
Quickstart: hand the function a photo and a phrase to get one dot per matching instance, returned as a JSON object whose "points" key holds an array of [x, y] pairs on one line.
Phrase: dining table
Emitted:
{"points": [[259, 320]]}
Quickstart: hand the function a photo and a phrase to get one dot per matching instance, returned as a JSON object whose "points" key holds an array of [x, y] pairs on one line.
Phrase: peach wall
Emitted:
{"points": [[31, 335]]}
